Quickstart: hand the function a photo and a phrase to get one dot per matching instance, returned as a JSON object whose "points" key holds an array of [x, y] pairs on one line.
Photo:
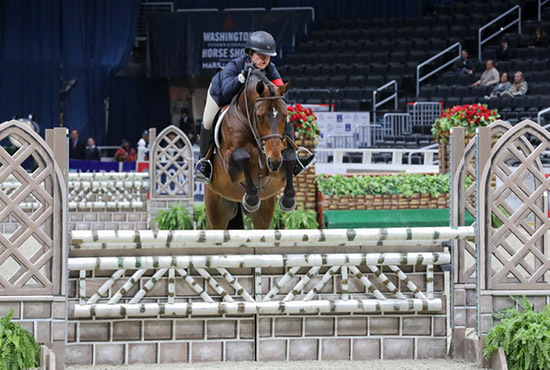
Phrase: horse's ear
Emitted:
{"points": [[260, 87], [284, 88]]}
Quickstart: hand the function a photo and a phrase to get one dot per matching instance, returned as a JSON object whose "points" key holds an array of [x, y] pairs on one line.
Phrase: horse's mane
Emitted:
{"points": [[261, 76]]}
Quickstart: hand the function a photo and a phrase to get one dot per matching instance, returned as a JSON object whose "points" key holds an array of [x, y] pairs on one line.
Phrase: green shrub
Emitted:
{"points": [[524, 335], [405, 184], [174, 218], [297, 219], [18, 349], [300, 219], [277, 222], [199, 216]]}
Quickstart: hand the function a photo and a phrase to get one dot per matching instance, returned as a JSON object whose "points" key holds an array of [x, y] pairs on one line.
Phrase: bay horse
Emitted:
{"points": [[253, 161]]}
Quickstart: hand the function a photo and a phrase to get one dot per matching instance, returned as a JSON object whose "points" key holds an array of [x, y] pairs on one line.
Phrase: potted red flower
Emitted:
{"points": [[304, 122], [468, 116], [307, 131]]}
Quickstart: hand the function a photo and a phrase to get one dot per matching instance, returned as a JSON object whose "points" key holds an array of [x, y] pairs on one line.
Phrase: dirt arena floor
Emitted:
{"points": [[300, 365]]}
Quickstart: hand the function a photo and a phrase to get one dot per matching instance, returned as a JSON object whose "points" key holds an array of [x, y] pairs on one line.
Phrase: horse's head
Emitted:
{"points": [[270, 116]]}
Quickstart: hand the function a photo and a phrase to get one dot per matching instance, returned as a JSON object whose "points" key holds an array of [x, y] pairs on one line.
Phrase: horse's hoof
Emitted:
{"points": [[249, 207], [287, 204]]}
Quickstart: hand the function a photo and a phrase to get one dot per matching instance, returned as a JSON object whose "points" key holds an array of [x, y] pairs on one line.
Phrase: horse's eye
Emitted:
{"points": [[259, 117]]}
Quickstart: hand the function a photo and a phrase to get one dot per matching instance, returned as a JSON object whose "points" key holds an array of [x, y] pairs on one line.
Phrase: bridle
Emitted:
{"points": [[260, 140], [263, 139]]}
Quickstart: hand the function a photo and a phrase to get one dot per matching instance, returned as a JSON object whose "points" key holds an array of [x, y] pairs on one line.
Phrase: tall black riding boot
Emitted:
{"points": [[302, 163], [203, 169]]}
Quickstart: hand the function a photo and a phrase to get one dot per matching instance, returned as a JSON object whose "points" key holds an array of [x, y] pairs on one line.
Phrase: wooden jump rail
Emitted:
{"points": [[370, 269]]}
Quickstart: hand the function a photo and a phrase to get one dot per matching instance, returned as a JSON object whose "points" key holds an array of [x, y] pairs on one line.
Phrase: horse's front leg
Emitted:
{"points": [[287, 202], [240, 160]]}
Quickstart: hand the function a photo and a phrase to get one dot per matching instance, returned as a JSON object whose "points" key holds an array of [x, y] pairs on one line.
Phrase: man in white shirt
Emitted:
{"points": [[143, 147], [490, 77]]}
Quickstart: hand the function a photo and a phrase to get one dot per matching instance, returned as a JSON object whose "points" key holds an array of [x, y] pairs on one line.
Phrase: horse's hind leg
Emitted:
{"points": [[262, 218], [237, 222], [287, 202], [219, 211], [241, 159]]}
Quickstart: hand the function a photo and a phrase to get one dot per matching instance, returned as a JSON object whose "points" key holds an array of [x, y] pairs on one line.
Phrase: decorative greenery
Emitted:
{"points": [[174, 218], [497, 222], [524, 335], [199, 216], [248, 224], [304, 122], [18, 349], [297, 219], [300, 219], [468, 116], [277, 222], [405, 184]]}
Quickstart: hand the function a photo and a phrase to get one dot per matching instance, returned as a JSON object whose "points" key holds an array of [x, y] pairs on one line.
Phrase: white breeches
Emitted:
{"points": [[210, 111]]}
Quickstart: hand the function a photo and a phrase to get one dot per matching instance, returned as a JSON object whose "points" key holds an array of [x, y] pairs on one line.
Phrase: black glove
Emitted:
{"points": [[247, 67]]}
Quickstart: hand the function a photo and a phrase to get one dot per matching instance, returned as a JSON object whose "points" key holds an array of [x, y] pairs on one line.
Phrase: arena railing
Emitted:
{"points": [[500, 30], [397, 123], [542, 113], [337, 164], [367, 134], [425, 113], [541, 3], [419, 78], [393, 96]]}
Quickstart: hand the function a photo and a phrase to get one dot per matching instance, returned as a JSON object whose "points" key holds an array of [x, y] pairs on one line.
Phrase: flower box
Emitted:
{"points": [[468, 116], [407, 191]]}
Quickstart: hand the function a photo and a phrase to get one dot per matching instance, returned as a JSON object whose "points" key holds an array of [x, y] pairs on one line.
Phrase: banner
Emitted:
{"points": [[76, 165], [342, 124], [202, 42]]}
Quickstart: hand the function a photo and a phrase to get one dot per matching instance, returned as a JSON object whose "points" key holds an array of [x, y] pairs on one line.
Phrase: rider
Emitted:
{"points": [[259, 49]]}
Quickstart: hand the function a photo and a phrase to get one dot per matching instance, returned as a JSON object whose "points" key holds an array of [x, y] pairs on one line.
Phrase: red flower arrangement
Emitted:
{"points": [[468, 116], [304, 122]]}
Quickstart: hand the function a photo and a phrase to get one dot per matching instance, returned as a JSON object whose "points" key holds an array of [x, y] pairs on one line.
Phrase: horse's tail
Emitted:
{"points": [[237, 223]]}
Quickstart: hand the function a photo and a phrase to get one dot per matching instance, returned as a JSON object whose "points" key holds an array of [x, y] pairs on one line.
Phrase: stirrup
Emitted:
{"points": [[298, 162], [199, 175]]}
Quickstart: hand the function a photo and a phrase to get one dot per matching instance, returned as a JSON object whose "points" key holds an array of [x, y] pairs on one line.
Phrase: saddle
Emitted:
{"points": [[218, 125]]}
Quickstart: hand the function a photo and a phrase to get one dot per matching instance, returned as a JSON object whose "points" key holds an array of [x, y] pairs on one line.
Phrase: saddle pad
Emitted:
{"points": [[217, 128]]}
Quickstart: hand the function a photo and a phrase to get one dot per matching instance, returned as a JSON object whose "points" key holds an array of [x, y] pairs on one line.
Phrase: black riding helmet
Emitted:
{"points": [[262, 42]]}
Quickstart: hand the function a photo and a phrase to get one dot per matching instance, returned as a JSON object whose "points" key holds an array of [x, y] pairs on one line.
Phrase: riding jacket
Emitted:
{"points": [[225, 84]]}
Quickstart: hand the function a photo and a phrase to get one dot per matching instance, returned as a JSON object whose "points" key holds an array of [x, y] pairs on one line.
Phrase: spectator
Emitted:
{"points": [[504, 52], [187, 125], [77, 148], [502, 86], [463, 66], [92, 152], [143, 147], [519, 87], [125, 153], [540, 38], [489, 77]]}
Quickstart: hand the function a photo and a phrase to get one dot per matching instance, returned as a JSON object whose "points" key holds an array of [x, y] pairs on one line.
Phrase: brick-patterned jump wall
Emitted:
{"points": [[110, 219], [279, 337]]}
